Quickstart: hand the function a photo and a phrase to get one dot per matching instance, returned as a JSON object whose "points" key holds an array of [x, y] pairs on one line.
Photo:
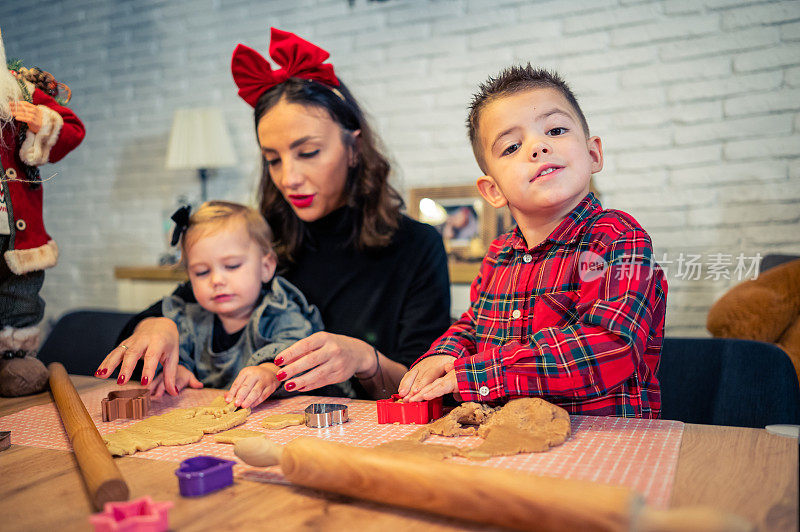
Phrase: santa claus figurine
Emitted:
{"points": [[34, 129]]}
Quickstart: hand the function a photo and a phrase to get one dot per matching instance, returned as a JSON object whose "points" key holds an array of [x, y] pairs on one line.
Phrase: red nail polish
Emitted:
{"points": [[103, 371], [290, 386], [145, 380], [121, 378], [97, 373], [281, 375], [278, 360]]}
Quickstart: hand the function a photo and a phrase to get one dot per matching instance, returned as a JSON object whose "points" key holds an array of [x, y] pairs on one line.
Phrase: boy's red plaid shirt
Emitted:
{"points": [[577, 320]]}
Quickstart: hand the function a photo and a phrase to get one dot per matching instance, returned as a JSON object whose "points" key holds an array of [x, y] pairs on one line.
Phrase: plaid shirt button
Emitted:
{"points": [[527, 258], [484, 391], [516, 314]]}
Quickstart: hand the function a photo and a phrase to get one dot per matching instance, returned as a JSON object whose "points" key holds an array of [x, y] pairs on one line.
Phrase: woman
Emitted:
{"points": [[378, 278]]}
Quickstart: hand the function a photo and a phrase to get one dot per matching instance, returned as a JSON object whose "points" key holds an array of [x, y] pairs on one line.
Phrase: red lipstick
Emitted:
{"points": [[301, 200]]}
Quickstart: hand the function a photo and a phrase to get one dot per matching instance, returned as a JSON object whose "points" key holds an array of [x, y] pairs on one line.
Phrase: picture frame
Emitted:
{"points": [[467, 222]]}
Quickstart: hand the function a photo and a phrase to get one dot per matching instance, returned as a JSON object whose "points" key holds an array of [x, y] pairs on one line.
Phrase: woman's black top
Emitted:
{"points": [[396, 298]]}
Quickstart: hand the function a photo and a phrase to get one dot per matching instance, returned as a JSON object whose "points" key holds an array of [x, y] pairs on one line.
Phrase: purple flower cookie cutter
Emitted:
{"points": [[203, 474]]}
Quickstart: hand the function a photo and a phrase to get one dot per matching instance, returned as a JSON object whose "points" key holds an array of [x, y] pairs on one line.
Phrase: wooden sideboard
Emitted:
{"points": [[138, 287]]}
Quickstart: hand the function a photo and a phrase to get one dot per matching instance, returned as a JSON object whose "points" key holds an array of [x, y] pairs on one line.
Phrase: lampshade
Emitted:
{"points": [[199, 140]]}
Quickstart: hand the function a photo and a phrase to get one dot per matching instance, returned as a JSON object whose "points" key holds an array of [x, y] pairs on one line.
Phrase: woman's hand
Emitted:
{"points": [[154, 340], [253, 385], [425, 373], [329, 359], [183, 378], [27, 112]]}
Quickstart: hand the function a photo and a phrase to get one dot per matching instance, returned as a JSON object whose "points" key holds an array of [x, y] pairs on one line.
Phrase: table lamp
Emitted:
{"points": [[199, 141]]}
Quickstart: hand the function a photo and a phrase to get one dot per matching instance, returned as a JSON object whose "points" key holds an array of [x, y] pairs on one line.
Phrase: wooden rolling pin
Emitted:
{"points": [[103, 479], [482, 494]]}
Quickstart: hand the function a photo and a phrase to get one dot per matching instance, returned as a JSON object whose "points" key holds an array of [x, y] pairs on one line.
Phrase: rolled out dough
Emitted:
{"points": [[178, 427], [525, 425], [280, 421], [234, 435]]}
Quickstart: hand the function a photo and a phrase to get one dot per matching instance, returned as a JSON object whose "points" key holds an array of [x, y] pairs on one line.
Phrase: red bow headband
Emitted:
{"points": [[299, 59]]}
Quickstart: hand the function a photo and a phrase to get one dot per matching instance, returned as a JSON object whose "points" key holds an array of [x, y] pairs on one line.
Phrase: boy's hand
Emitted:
{"points": [[253, 385], [183, 379], [423, 374], [439, 387]]}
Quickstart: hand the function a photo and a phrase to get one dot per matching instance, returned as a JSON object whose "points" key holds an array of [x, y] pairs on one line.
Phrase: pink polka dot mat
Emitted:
{"points": [[638, 453]]}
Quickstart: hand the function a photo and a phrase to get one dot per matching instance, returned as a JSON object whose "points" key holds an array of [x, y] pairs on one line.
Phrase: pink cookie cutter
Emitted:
{"points": [[129, 404], [139, 515], [392, 411]]}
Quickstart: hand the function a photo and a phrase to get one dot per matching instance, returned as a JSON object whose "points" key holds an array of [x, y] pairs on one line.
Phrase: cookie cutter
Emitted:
{"points": [[321, 415], [5, 440], [130, 404], [393, 410], [138, 515], [203, 474]]}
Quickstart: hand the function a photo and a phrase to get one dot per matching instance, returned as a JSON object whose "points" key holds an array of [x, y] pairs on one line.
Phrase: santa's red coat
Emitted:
{"points": [[32, 248]]}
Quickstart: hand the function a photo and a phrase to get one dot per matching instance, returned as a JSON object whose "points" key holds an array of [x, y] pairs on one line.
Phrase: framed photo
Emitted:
{"points": [[467, 223]]}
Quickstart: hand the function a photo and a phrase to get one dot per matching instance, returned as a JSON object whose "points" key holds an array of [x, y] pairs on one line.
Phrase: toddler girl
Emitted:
{"points": [[244, 314]]}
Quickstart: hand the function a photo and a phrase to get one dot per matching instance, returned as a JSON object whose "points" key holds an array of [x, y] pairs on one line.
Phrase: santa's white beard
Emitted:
{"points": [[9, 88]]}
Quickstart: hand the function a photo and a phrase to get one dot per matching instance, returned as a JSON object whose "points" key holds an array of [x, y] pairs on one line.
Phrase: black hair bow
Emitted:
{"points": [[181, 219]]}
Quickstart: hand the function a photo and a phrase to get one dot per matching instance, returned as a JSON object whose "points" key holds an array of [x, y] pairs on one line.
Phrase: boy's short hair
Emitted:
{"points": [[512, 80], [212, 216]]}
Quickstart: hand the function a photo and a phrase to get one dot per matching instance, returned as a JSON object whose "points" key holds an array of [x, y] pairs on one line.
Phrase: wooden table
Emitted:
{"points": [[745, 471]]}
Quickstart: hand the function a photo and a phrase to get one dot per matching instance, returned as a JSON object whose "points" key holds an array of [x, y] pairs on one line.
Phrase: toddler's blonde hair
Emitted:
{"points": [[213, 216]]}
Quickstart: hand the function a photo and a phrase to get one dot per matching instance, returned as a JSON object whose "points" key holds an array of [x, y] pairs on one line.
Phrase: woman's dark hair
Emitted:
{"points": [[367, 189]]}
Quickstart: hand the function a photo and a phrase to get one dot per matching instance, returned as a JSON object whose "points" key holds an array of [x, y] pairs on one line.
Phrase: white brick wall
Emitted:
{"points": [[697, 102]]}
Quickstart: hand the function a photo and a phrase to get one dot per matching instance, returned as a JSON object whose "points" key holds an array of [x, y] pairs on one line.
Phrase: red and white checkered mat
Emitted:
{"points": [[639, 453]]}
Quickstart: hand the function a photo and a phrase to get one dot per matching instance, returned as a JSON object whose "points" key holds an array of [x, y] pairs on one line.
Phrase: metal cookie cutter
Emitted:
{"points": [[321, 415], [131, 404]]}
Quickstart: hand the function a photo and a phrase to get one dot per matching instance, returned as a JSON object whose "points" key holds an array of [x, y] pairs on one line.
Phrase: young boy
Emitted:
{"points": [[569, 305], [245, 314]]}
